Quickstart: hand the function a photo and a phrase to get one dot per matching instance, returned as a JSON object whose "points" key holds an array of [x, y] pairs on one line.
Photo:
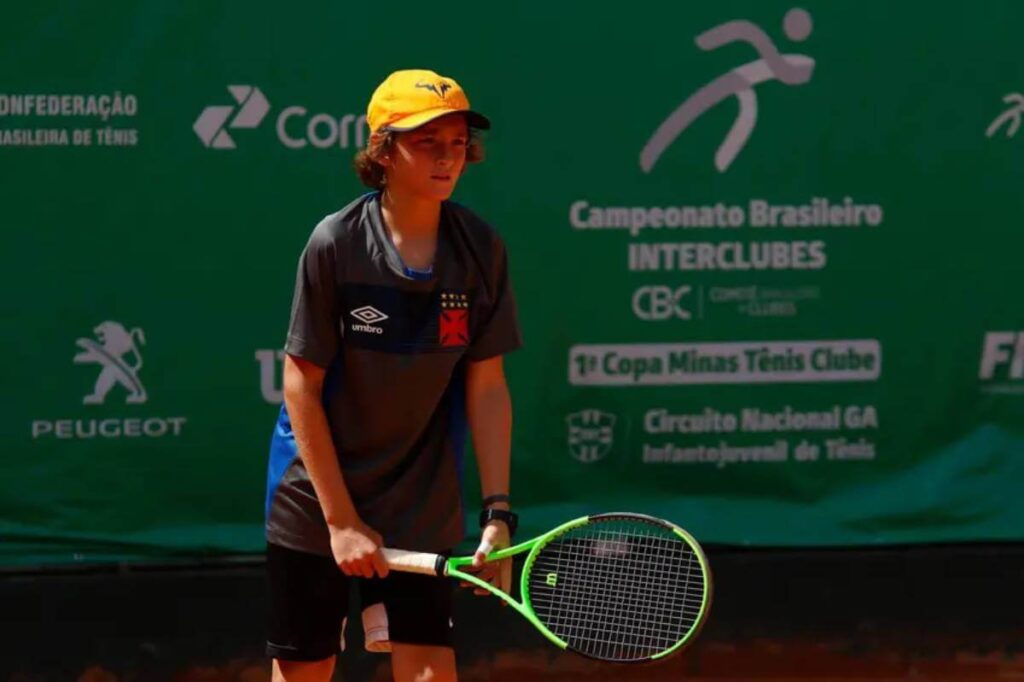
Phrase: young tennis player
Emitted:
{"points": [[401, 314]]}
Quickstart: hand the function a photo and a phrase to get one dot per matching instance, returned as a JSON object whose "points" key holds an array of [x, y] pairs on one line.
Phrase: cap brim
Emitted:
{"points": [[413, 121]]}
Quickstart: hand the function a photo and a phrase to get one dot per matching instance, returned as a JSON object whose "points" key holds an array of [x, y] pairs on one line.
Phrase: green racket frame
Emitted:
{"points": [[452, 566]]}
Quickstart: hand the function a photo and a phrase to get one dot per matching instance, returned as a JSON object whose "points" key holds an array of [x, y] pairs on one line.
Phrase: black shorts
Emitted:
{"points": [[309, 600]]}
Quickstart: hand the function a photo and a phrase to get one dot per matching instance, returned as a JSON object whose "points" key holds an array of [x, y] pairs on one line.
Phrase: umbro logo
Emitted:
{"points": [[369, 316]]}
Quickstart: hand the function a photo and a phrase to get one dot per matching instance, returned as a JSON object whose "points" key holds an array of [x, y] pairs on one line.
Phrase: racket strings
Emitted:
{"points": [[618, 590]]}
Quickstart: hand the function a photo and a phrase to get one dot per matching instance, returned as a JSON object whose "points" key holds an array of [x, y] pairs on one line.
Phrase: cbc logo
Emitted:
{"points": [[661, 303]]}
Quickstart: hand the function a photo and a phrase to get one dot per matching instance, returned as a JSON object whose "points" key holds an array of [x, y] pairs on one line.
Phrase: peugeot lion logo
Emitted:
{"points": [[113, 342]]}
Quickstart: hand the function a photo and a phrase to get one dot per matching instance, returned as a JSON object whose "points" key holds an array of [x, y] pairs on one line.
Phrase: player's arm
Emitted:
{"points": [[489, 410], [354, 545]]}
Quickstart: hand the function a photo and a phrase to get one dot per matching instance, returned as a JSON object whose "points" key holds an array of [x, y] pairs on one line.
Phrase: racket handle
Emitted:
{"points": [[414, 562]]}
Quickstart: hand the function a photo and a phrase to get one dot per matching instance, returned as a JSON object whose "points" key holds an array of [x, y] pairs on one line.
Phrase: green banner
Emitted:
{"points": [[766, 257]]}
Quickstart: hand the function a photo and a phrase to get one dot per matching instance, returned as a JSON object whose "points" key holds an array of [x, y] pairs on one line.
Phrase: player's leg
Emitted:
{"points": [[418, 663], [303, 671], [420, 626], [308, 603]]}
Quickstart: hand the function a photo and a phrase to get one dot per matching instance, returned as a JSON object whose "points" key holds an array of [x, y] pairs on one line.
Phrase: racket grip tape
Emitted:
{"points": [[405, 561]]}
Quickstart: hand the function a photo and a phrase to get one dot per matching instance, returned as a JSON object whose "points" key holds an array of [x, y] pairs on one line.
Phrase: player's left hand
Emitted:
{"points": [[497, 573]]}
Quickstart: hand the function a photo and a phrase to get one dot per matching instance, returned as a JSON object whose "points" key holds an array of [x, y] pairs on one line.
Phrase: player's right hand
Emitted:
{"points": [[356, 550]]}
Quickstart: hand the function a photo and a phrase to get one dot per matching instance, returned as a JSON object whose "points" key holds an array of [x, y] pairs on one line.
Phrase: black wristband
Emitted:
{"points": [[510, 519], [491, 499]]}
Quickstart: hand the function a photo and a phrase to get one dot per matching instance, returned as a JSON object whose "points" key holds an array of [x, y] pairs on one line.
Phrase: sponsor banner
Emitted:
{"points": [[767, 282]]}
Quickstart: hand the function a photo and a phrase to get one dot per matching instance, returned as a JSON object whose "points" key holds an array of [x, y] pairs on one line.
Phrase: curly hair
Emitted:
{"points": [[372, 173]]}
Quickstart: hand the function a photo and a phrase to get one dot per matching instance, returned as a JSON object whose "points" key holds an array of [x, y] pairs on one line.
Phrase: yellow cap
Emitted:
{"points": [[408, 99]]}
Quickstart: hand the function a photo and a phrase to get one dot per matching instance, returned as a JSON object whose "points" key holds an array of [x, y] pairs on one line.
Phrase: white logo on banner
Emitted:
{"points": [[1002, 362], [115, 351], [295, 127], [591, 434], [662, 303], [210, 126], [109, 351], [45, 120], [1010, 118], [791, 69], [271, 374]]}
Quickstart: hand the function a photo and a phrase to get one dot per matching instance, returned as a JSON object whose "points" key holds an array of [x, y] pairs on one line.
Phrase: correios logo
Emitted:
{"points": [[790, 69], [591, 435], [116, 353], [296, 128], [212, 124]]}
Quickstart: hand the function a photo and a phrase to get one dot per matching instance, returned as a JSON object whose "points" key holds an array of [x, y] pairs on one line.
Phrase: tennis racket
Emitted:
{"points": [[614, 587]]}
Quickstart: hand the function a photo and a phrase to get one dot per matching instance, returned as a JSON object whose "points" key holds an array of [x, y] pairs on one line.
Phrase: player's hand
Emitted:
{"points": [[497, 573], [356, 550]]}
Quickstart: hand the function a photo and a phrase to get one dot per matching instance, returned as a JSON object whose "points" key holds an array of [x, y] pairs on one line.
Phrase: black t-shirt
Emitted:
{"points": [[394, 343]]}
